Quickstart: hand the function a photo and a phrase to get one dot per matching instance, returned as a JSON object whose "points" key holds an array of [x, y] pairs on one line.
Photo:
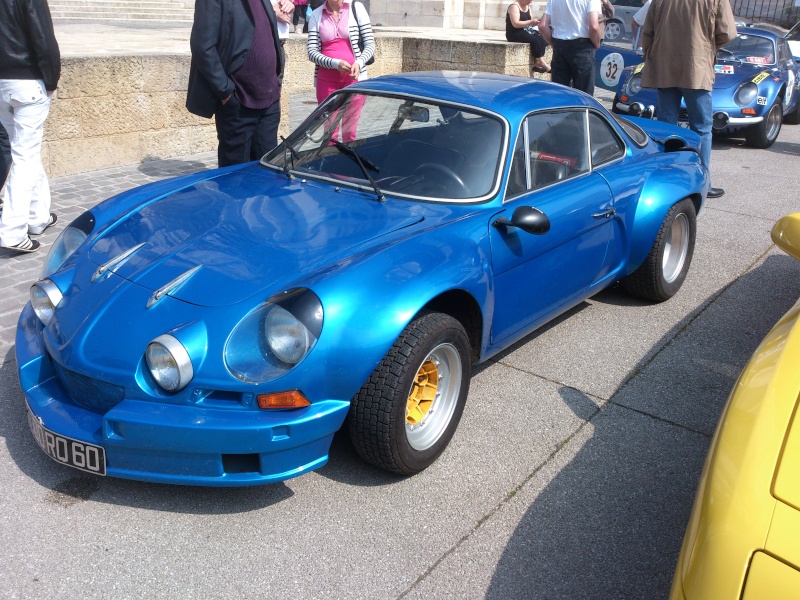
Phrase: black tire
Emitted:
{"points": [[383, 430], [764, 134], [674, 245]]}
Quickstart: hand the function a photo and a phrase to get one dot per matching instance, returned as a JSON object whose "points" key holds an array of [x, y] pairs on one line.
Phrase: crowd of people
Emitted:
{"points": [[238, 63]]}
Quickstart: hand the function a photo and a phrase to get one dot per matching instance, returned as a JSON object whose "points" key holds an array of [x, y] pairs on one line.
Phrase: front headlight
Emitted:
{"points": [[67, 242], [746, 94], [45, 297], [274, 337], [634, 85], [169, 363]]}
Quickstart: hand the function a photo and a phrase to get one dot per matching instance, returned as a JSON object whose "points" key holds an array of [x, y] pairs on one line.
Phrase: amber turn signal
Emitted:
{"points": [[748, 111], [292, 399]]}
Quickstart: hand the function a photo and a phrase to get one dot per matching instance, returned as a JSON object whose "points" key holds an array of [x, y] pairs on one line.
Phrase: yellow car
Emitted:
{"points": [[743, 538]]}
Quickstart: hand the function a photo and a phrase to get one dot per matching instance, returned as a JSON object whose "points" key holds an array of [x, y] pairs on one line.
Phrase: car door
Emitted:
{"points": [[537, 273]]}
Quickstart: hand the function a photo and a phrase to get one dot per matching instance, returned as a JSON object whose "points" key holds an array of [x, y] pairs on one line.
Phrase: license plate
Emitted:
{"points": [[79, 455], [684, 124]]}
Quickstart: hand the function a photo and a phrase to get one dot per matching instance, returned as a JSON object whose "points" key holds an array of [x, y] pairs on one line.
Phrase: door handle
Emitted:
{"points": [[606, 214]]}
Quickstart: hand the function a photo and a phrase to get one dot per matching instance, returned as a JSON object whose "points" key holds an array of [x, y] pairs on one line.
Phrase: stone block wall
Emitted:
{"points": [[122, 110]]}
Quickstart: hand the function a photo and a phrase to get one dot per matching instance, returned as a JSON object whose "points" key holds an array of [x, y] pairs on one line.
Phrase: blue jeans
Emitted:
{"points": [[698, 107]]}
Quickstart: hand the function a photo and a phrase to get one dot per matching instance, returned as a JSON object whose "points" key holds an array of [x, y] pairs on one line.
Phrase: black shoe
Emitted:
{"points": [[52, 221], [715, 193], [26, 245]]}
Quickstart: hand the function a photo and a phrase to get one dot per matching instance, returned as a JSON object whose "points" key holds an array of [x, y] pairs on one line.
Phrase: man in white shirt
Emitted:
{"points": [[575, 35], [638, 21]]}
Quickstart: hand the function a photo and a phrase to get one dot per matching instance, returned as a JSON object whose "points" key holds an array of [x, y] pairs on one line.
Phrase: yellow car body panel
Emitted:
{"points": [[749, 491]]}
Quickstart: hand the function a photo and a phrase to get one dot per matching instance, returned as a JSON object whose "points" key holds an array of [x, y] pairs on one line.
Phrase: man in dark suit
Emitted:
{"points": [[236, 72]]}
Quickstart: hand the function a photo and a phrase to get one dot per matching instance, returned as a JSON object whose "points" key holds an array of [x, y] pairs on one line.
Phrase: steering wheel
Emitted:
{"points": [[452, 179]]}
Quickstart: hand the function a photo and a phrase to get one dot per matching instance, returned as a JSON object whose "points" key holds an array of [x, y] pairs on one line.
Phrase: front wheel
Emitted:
{"points": [[405, 414], [662, 273], [764, 134], [793, 118], [614, 30]]}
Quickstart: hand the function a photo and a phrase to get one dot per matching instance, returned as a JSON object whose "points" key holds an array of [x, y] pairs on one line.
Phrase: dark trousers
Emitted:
{"points": [[5, 155], [245, 134], [573, 64]]}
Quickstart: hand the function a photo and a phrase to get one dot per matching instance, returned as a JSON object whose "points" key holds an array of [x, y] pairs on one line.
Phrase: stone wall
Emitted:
{"points": [[121, 110]]}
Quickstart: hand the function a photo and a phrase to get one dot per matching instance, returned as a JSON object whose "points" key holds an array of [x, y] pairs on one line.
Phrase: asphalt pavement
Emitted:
{"points": [[572, 473]]}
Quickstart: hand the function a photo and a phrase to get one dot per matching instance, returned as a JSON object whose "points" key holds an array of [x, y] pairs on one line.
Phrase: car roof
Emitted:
{"points": [[756, 31], [504, 94]]}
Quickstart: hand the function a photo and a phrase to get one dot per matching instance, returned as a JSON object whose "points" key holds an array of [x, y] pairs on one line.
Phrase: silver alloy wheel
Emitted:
{"points": [[774, 121], [433, 396], [613, 30], [676, 248]]}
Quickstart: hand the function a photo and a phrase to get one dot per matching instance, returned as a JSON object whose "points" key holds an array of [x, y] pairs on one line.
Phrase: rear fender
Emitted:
{"points": [[663, 189]]}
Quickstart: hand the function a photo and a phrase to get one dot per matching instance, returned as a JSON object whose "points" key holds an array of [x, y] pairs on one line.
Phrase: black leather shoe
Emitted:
{"points": [[715, 193]]}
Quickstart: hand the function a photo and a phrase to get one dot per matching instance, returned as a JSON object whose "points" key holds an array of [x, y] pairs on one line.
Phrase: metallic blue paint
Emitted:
{"points": [[373, 265], [778, 82]]}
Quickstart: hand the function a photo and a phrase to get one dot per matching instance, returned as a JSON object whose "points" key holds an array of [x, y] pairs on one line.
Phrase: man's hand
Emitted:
{"points": [[225, 101]]}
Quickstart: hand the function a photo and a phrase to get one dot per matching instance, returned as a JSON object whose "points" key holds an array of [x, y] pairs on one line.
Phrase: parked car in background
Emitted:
{"points": [[620, 26], [219, 328], [742, 537], [756, 89]]}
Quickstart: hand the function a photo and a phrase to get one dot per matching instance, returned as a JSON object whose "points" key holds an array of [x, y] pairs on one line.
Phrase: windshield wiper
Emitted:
{"points": [[288, 152], [362, 162], [726, 51]]}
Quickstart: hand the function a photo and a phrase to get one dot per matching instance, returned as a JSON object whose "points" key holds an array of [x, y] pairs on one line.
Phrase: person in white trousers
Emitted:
{"points": [[30, 67]]}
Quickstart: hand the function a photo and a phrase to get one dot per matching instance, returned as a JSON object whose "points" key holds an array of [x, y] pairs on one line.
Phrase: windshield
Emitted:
{"points": [[408, 147], [752, 49]]}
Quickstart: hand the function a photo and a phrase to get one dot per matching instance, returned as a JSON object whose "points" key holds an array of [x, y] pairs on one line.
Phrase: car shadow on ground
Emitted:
{"points": [[611, 521], [723, 143], [68, 487]]}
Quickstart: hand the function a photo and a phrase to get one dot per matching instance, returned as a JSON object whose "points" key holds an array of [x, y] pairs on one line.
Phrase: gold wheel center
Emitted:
{"points": [[423, 393]]}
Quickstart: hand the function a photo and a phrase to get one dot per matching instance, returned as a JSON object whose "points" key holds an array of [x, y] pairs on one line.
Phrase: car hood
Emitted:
{"points": [[246, 230], [741, 73]]}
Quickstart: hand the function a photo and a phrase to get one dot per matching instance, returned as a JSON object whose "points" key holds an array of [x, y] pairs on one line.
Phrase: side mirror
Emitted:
{"points": [[786, 234], [527, 218]]}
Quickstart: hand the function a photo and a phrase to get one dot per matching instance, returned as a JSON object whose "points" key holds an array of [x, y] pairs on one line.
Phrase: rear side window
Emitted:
{"points": [[605, 144], [552, 147]]}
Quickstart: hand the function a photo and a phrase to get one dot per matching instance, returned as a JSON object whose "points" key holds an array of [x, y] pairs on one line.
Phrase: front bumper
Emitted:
{"points": [[732, 121], [181, 444]]}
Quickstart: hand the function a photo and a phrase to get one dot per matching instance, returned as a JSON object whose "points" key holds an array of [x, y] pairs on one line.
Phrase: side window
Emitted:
{"points": [[783, 50], [557, 146], [605, 144], [517, 177]]}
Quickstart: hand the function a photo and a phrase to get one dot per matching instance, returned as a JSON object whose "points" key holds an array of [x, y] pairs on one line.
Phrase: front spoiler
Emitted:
{"points": [[181, 444]]}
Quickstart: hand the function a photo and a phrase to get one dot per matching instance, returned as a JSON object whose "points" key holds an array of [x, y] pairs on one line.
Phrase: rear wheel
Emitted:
{"points": [[764, 134], [662, 273], [405, 414]]}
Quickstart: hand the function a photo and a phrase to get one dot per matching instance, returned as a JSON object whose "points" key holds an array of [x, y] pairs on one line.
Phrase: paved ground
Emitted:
{"points": [[571, 475]]}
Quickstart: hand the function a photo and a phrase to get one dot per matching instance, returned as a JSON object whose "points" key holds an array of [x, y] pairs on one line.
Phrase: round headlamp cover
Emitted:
{"points": [[68, 242], [275, 336], [634, 85], [746, 94]]}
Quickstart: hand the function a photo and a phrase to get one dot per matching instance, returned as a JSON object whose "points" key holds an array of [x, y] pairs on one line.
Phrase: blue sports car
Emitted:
{"points": [[219, 328], [757, 88]]}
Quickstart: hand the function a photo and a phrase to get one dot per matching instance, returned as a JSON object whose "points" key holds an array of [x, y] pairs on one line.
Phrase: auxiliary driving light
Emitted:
{"points": [[169, 363], [45, 296]]}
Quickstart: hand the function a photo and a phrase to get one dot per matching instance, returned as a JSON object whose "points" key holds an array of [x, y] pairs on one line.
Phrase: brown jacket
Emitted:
{"points": [[680, 39]]}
